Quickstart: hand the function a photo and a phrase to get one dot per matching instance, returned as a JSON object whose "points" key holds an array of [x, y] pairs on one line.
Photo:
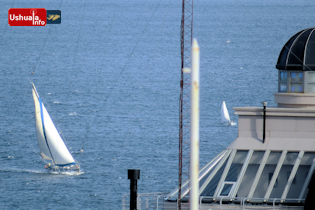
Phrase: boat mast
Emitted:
{"points": [[184, 114]]}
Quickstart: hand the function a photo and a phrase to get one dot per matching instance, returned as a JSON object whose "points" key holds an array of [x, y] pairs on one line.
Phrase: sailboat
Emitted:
{"points": [[51, 145], [225, 117]]}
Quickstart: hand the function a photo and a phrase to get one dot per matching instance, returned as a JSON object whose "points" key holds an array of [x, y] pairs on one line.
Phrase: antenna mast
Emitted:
{"points": [[184, 114]]}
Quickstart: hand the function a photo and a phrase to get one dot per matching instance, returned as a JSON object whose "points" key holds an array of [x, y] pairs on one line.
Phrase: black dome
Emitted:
{"points": [[299, 52]]}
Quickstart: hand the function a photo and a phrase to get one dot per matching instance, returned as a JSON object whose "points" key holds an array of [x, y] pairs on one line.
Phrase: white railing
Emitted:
{"points": [[245, 203], [157, 201], [146, 201]]}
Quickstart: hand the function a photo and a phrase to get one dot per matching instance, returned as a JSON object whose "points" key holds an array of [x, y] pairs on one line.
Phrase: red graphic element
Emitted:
{"points": [[27, 17], [31, 11]]}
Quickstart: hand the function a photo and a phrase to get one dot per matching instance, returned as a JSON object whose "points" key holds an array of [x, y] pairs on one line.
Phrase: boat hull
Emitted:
{"points": [[63, 169]]}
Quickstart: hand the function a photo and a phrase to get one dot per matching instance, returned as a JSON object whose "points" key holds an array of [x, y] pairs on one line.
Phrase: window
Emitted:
{"points": [[296, 82], [283, 75], [310, 87], [305, 169], [293, 81], [226, 188]]}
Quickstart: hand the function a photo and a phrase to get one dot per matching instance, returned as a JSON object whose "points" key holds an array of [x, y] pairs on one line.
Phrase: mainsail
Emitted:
{"points": [[225, 117], [51, 145]]}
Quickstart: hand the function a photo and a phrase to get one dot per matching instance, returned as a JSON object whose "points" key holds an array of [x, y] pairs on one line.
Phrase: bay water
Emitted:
{"points": [[109, 75]]}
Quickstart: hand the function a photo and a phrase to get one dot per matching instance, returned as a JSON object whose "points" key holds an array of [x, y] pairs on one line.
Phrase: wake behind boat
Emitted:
{"points": [[51, 145], [225, 117]]}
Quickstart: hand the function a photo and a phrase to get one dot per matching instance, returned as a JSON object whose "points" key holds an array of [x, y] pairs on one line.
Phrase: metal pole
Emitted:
{"points": [[194, 145], [264, 122], [184, 114], [133, 175]]}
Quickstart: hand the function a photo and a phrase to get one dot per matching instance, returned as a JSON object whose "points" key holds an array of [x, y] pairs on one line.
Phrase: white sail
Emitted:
{"points": [[44, 150], [225, 117], [51, 145]]}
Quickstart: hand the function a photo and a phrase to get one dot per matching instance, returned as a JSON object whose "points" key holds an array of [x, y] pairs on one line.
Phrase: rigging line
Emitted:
{"points": [[160, 37], [123, 68], [268, 29], [76, 49], [34, 150], [61, 1], [54, 190], [60, 132], [37, 61], [76, 52], [75, 55], [110, 29], [79, 36], [40, 53]]}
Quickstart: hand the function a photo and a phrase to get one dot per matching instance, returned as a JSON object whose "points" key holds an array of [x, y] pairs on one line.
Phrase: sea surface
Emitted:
{"points": [[109, 75]]}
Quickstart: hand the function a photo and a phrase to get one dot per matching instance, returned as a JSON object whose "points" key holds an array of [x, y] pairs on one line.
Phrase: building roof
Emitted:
{"points": [[299, 52]]}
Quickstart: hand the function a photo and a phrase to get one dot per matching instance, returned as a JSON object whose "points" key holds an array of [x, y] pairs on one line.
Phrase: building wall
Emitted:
{"points": [[286, 129]]}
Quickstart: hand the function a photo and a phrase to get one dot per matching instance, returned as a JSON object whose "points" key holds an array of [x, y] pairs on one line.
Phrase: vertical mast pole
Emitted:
{"points": [[184, 115], [194, 145]]}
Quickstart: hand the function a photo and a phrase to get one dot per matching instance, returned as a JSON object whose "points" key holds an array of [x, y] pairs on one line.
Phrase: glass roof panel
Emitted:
{"points": [[301, 175], [284, 174], [208, 169], [266, 174], [236, 165], [211, 187], [250, 173]]}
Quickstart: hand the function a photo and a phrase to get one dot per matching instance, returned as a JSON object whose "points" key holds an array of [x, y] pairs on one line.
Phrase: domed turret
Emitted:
{"points": [[296, 64], [299, 52]]}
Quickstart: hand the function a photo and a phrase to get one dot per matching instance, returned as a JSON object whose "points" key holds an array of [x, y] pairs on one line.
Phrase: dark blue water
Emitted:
{"points": [[109, 76]]}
